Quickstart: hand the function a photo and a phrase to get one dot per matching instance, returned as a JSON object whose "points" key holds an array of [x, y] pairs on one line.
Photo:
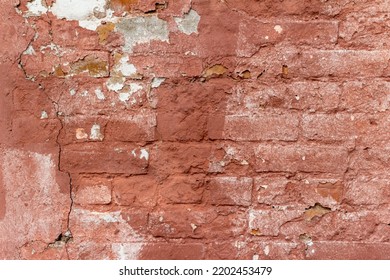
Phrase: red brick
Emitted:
{"points": [[174, 158], [307, 96], [103, 158], [368, 190], [268, 222], [91, 190], [182, 189], [362, 32], [313, 33], [280, 191], [195, 222], [30, 129], [330, 250], [333, 127], [132, 128], [261, 127], [172, 251], [295, 158], [137, 191], [174, 126], [365, 96], [230, 191]]}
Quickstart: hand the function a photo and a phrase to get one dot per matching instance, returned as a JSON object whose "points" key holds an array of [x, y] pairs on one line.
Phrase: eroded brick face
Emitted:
{"points": [[195, 129]]}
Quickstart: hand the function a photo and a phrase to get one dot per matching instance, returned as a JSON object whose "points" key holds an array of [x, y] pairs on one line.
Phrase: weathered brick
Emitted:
{"points": [[331, 250], [91, 190], [313, 33], [368, 190], [132, 128], [172, 251], [295, 158], [261, 127], [268, 222], [333, 127], [182, 189], [282, 192], [137, 191], [230, 191], [102, 158]]}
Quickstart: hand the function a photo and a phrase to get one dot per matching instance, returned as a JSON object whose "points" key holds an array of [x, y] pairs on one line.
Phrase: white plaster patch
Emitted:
{"points": [[144, 154], [76, 9], [29, 51], [189, 23], [278, 29], [44, 115], [127, 251], [99, 94], [138, 30], [36, 8], [127, 69], [116, 83], [95, 133], [266, 250], [156, 82]]}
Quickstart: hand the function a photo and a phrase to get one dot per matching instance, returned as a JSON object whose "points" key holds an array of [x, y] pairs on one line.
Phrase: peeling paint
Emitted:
{"points": [[95, 133], [189, 23], [156, 82], [138, 30]]}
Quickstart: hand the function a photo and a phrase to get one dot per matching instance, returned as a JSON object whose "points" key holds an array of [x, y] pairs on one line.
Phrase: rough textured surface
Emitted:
{"points": [[194, 129]]}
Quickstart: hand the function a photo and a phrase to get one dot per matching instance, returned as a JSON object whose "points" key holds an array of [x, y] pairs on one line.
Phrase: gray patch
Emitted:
{"points": [[189, 23], [139, 30]]}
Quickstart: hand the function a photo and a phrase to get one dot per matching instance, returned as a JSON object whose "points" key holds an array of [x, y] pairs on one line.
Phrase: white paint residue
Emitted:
{"points": [[124, 96], [44, 115], [29, 51], [127, 251], [127, 69], [143, 29], [189, 23], [266, 250], [278, 29], [36, 8], [95, 133], [144, 154], [76, 9], [156, 82], [99, 94], [116, 83]]}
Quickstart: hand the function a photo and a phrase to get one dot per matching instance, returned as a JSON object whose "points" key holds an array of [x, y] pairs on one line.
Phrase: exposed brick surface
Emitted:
{"points": [[195, 129]]}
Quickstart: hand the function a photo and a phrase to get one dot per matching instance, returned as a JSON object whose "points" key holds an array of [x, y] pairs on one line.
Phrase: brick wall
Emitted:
{"points": [[195, 129]]}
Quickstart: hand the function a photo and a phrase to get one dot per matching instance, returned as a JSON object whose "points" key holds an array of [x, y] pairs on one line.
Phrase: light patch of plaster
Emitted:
{"points": [[35, 207], [36, 8], [144, 154], [138, 30], [125, 68], [90, 14], [278, 29], [99, 94], [156, 82], [116, 83], [29, 51], [125, 96], [44, 115], [127, 251], [189, 23], [96, 133]]}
